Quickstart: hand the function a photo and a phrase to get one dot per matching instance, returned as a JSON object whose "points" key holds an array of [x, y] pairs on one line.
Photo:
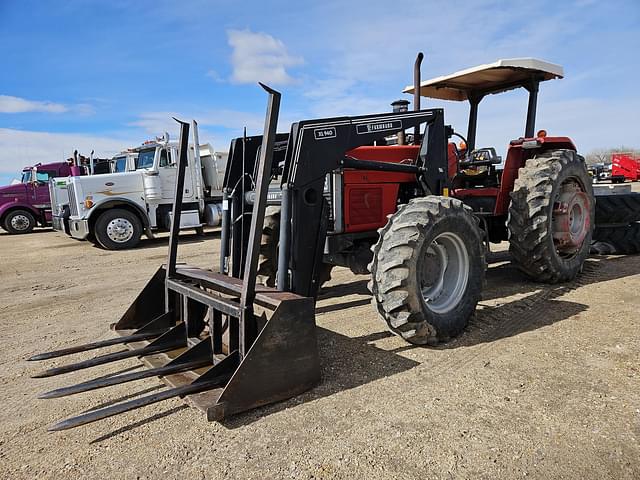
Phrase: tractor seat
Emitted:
{"points": [[469, 176], [481, 157], [467, 179]]}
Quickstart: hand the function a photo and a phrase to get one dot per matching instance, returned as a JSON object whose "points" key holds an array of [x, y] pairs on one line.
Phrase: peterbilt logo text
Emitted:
{"points": [[323, 133], [379, 127]]}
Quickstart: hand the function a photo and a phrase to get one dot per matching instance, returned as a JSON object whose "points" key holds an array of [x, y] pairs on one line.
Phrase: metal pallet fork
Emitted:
{"points": [[214, 339]]}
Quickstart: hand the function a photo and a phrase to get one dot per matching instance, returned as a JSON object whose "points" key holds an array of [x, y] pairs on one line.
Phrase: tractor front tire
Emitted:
{"points": [[118, 229], [19, 221], [428, 269], [268, 258], [551, 216]]}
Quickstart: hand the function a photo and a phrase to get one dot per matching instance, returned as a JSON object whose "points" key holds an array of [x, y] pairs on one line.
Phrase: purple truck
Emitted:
{"points": [[27, 204]]}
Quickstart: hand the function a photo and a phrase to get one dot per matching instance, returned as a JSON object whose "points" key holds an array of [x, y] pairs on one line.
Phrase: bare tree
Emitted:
{"points": [[603, 155]]}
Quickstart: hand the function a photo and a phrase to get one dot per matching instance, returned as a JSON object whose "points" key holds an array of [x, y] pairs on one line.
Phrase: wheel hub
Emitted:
{"points": [[445, 273], [571, 218], [120, 230], [20, 222]]}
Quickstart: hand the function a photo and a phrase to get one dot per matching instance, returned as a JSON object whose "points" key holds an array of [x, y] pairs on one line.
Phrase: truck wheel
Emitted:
{"points": [[551, 216], [268, 259], [623, 240], [617, 209], [428, 269], [118, 229], [19, 221]]}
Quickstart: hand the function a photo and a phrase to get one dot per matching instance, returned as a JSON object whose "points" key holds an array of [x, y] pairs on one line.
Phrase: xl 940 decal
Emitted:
{"points": [[326, 132]]}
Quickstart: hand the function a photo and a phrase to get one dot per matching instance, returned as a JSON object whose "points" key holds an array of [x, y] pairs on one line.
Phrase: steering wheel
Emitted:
{"points": [[465, 142]]}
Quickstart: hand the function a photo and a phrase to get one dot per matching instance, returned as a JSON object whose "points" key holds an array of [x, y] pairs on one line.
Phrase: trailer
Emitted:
{"points": [[624, 166], [116, 209]]}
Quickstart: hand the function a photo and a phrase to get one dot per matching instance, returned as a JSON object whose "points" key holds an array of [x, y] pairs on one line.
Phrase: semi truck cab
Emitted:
{"points": [[116, 209], [27, 204]]}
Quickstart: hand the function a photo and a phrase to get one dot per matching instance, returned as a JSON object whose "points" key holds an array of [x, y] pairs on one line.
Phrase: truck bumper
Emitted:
{"points": [[58, 224], [60, 220], [79, 228]]}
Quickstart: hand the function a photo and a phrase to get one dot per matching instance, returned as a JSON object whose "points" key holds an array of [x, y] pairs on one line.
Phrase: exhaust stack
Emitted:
{"points": [[416, 94]]}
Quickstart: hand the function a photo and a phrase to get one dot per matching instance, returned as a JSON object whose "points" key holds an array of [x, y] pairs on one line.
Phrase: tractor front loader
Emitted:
{"points": [[364, 192], [216, 339]]}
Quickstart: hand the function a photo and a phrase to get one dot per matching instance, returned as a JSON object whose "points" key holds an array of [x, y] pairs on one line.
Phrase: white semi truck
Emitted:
{"points": [[122, 162], [116, 209]]}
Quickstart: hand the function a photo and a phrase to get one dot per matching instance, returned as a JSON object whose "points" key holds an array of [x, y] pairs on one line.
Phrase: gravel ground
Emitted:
{"points": [[545, 382]]}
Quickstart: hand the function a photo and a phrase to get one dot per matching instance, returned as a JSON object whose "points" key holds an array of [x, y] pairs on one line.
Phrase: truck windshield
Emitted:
{"points": [[145, 158], [26, 176]]}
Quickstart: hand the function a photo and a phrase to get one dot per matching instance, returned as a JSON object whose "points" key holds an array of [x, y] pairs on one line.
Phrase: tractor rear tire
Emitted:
{"points": [[428, 269], [268, 258], [551, 216], [623, 240]]}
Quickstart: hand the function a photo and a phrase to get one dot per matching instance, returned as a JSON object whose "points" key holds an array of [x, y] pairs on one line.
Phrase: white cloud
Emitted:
{"points": [[20, 148], [259, 57], [158, 122], [9, 104]]}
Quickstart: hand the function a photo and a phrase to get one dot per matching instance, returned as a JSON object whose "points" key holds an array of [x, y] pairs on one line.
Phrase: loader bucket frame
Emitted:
{"points": [[314, 149], [215, 339]]}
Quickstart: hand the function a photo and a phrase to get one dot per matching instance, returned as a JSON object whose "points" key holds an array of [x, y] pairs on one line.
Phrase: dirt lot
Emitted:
{"points": [[544, 384]]}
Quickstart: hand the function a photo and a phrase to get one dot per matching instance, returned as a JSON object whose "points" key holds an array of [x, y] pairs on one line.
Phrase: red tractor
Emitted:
{"points": [[416, 215], [350, 191]]}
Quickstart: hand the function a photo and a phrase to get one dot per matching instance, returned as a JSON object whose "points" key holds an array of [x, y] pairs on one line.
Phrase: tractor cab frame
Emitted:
{"points": [[474, 175]]}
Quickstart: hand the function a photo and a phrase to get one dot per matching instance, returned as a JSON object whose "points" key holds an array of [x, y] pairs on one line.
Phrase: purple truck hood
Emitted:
{"points": [[17, 189]]}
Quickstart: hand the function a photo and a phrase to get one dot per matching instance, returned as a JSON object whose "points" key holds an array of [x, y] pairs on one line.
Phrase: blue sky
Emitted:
{"points": [[109, 74]]}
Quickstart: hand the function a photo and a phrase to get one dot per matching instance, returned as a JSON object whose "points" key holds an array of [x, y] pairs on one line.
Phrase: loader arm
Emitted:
{"points": [[318, 147]]}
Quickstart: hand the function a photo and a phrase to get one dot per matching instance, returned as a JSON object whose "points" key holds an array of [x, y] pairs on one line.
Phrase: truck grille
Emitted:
{"points": [[73, 203], [52, 195]]}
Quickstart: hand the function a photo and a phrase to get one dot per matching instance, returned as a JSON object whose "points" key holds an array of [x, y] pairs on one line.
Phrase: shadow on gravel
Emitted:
{"points": [[346, 363], [184, 238], [536, 310], [137, 424], [350, 362], [359, 287], [33, 232]]}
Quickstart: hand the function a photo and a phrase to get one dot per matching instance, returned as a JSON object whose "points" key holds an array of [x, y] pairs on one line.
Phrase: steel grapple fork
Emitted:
{"points": [[212, 338]]}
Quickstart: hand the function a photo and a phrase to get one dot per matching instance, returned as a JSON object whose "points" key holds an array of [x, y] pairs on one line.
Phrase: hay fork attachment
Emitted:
{"points": [[216, 340]]}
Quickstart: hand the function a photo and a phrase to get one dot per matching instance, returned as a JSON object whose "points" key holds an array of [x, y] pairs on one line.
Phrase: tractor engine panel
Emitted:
{"points": [[369, 195]]}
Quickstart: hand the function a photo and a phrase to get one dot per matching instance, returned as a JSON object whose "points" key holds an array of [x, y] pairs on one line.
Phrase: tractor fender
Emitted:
{"points": [[557, 143], [18, 205], [119, 202]]}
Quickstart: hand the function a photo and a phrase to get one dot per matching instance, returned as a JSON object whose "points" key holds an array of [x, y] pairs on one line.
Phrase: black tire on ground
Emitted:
{"points": [[19, 221], [623, 240], [617, 209], [118, 229], [431, 246], [539, 245], [268, 258]]}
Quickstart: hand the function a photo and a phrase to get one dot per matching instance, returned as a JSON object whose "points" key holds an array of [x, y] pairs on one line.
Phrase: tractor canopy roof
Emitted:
{"points": [[496, 77]]}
